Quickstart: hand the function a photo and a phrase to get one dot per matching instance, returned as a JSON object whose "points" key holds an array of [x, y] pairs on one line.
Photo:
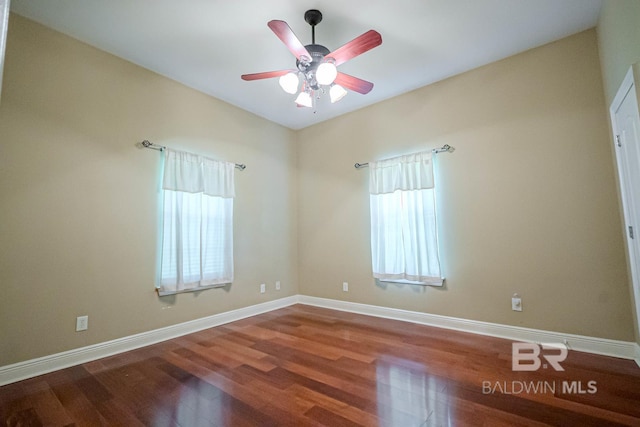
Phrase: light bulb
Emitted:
{"points": [[336, 93], [326, 72], [289, 83], [304, 99]]}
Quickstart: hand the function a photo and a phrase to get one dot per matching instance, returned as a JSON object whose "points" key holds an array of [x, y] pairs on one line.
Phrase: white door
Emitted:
{"points": [[626, 128]]}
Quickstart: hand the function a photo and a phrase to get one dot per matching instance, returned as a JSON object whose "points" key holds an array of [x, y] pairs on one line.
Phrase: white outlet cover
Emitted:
{"points": [[82, 323], [516, 304], [278, 285], [263, 288]]}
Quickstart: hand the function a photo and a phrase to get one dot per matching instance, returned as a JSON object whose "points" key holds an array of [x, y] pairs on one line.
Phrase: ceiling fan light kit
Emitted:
{"points": [[327, 72], [304, 99], [316, 65], [289, 82], [336, 93]]}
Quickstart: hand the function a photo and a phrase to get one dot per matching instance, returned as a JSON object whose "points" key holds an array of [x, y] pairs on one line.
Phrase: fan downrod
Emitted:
{"points": [[313, 18]]}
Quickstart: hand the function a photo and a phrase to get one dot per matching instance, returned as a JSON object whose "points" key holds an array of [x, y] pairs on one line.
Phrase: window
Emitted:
{"points": [[404, 238], [197, 226]]}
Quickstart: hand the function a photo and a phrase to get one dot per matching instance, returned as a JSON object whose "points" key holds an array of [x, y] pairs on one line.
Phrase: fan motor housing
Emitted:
{"points": [[318, 52]]}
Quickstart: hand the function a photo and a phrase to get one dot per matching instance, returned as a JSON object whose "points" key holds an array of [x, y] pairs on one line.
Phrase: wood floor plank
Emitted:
{"points": [[329, 351], [328, 403], [309, 366], [24, 417], [330, 418], [76, 404], [349, 383]]}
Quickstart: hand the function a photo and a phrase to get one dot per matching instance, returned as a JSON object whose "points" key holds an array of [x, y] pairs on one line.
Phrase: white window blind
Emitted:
{"points": [[197, 227], [404, 238]]}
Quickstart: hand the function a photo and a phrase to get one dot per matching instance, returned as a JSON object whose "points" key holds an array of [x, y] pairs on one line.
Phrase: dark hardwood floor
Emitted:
{"points": [[304, 365]]}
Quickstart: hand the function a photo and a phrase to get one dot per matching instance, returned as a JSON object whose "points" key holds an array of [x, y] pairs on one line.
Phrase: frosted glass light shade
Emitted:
{"points": [[326, 73], [336, 93], [289, 83], [304, 99]]}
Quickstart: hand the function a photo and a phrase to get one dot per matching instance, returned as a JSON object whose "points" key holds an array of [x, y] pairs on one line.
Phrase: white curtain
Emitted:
{"points": [[197, 238], [404, 240]]}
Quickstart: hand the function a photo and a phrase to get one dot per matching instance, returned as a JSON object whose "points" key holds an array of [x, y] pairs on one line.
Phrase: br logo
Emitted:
{"points": [[529, 356]]}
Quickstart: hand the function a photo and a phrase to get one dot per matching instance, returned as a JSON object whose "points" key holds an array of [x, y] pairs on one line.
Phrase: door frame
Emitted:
{"points": [[4, 25], [628, 85]]}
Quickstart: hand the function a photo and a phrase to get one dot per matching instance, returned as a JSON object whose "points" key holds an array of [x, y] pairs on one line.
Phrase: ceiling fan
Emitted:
{"points": [[316, 66]]}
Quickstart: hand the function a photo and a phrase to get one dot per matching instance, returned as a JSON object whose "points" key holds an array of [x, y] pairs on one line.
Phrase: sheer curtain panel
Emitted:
{"points": [[197, 227], [404, 239]]}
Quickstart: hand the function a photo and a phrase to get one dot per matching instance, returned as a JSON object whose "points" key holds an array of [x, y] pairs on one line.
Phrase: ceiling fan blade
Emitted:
{"points": [[265, 75], [357, 46], [353, 83], [284, 33]]}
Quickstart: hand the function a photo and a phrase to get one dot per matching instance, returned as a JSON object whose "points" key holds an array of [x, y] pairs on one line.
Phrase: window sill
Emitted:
{"points": [[163, 293], [411, 282]]}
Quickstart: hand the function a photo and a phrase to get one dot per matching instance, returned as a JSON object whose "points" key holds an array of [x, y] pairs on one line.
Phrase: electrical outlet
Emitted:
{"points": [[278, 285], [345, 287], [82, 323], [516, 303], [263, 288]]}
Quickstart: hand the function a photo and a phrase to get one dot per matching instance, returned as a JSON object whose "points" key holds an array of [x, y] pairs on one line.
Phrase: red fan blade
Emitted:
{"points": [[353, 83], [265, 75], [357, 46], [284, 33]]}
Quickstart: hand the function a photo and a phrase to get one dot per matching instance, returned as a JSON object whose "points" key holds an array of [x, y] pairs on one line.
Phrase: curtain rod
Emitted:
{"points": [[446, 148], [151, 145]]}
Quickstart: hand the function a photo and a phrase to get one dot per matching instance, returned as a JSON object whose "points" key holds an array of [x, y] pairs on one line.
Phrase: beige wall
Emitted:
{"points": [[527, 202], [78, 210], [619, 47], [619, 42]]}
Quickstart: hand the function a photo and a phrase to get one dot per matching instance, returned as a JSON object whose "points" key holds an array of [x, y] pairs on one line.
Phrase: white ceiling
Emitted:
{"points": [[208, 44]]}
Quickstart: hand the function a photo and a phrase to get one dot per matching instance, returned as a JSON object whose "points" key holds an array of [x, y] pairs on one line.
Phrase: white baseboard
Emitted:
{"points": [[34, 367], [607, 347]]}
